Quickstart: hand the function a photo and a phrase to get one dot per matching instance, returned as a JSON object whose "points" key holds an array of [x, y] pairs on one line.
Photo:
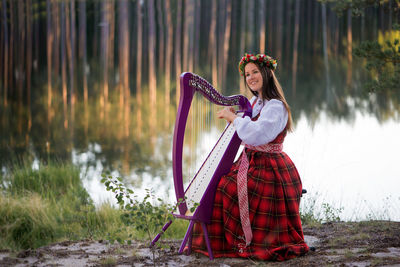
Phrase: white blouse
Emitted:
{"points": [[272, 121]]}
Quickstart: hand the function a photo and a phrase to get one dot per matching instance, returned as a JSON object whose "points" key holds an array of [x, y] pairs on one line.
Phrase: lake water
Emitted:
{"points": [[349, 165], [345, 143]]}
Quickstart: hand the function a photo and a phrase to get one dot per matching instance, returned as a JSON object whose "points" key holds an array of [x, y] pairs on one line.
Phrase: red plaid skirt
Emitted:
{"points": [[274, 191]]}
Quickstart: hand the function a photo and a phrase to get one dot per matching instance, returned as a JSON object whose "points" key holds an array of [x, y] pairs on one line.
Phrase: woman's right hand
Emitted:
{"points": [[228, 113]]}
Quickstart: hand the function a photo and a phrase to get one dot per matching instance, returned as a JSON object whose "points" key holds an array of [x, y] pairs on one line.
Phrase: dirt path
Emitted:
{"points": [[374, 243]]}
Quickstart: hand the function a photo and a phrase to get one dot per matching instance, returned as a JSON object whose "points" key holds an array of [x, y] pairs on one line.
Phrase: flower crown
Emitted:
{"points": [[261, 59]]}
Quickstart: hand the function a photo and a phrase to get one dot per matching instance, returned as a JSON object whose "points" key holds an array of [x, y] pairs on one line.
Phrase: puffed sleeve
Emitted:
{"points": [[272, 121]]}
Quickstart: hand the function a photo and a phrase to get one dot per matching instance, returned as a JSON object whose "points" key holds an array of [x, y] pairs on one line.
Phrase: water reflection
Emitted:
{"points": [[113, 108], [349, 164]]}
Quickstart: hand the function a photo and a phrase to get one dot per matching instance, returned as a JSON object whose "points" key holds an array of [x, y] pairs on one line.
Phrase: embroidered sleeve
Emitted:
{"points": [[272, 121]]}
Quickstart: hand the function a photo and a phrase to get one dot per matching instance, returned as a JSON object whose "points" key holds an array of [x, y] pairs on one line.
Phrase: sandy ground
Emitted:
{"points": [[374, 243]]}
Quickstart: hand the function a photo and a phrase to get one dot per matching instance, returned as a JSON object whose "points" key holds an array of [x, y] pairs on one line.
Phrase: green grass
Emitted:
{"points": [[26, 222], [50, 204], [41, 206], [314, 214], [109, 261], [53, 182]]}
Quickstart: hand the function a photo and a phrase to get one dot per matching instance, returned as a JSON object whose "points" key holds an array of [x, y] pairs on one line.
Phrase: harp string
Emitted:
{"points": [[202, 132]]}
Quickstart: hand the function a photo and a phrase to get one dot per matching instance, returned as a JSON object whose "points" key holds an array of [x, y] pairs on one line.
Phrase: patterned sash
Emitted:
{"points": [[242, 186]]}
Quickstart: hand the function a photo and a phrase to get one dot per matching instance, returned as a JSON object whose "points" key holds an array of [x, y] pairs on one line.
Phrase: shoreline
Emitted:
{"points": [[366, 243]]}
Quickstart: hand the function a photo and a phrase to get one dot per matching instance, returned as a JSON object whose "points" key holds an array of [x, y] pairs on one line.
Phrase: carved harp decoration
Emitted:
{"points": [[202, 187]]}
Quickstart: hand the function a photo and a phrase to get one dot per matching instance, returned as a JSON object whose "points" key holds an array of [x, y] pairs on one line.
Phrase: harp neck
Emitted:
{"points": [[190, 84]]}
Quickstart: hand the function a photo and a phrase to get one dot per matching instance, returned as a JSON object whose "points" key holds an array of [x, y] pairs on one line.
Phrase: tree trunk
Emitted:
{"points": [[391, 14], [287, 38], [317, 20], [2, 55], [21, 51], [250, 44], [197, 30], [104, 55], [161, 41], [324, 46], [242, 47], [362, 38], [95, 45], [349, 49], [212, 47], [152, 52], [381, 18], [36, 39], [49, 56], [111, 33], [29, 58], [271, 26], [191, 35], [187, 36], [20, 76], [152, 70], [11, 50], [72, 58], [279, 24], [68, 37], [295, 46], [262, 25], [178, 47], [168, 57], [123, 41], [20, 72], [139, 52], [82, 53], [337, 37], [310, 5], [64, 63], [330, 29], [56, 37], [5, 29], [221, 15], [226, 42]]}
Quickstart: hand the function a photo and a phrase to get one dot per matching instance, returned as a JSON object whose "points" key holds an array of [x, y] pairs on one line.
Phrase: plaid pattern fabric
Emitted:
{"points": [[274, 191]]}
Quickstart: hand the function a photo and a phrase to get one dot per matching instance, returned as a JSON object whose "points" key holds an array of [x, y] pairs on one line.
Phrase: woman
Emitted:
{"points": [[256, 209]]}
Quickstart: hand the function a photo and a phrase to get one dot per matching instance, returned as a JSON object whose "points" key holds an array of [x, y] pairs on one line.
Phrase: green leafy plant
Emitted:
{"points": [[357, 7], [383, 65], [331, 214], [381, 56], [143, 215]]}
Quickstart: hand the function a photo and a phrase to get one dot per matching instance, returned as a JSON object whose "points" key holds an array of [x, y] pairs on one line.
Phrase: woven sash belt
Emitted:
{"points": [[242, 186]]}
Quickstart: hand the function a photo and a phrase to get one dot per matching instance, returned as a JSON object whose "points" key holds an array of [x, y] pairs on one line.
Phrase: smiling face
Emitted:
{"points": [[254, 78]]}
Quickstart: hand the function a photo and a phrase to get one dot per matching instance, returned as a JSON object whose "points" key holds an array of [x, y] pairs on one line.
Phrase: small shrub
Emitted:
{"points": [[331, 214], [144, 216]]}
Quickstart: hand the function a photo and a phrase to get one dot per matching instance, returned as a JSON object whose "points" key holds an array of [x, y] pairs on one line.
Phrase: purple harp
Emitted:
{"points": [[196, 202]]}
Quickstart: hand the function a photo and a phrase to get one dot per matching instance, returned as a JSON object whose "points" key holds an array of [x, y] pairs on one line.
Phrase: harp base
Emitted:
{"points": [[188, 240]]}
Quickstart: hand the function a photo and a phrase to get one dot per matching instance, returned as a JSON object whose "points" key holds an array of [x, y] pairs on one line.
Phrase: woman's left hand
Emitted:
{"points": [[227, 113]]}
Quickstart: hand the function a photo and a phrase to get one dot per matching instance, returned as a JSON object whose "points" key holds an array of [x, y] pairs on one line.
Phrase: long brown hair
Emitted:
{"points": [[272, 89]]}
